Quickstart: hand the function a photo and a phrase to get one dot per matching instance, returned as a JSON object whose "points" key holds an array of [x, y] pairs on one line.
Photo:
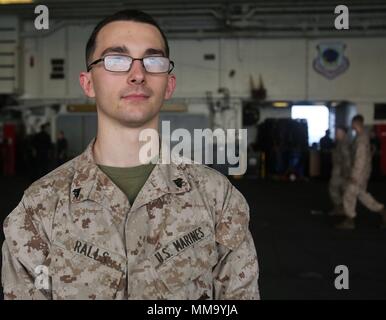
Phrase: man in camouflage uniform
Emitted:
{"points": [[76, 234], [341, 169], [359, 176]]}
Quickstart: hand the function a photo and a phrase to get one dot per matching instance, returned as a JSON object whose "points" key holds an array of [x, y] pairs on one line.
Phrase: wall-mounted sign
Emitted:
{"points": [[331, 61]]}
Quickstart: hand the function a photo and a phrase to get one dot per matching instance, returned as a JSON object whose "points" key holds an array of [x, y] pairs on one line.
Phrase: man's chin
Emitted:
{"points": [[137, 122]]}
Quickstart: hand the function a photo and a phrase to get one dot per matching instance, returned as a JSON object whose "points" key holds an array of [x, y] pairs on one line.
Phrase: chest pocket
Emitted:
{"points": [[188, 275], [92, 274]]}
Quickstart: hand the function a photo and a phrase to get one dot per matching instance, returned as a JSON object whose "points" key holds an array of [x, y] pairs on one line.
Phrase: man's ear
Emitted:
{"points": [[87, 84], [170, 86]]}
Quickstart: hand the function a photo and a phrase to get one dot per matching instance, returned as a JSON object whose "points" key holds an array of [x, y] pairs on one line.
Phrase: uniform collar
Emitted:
{"points": [[91, 183]]}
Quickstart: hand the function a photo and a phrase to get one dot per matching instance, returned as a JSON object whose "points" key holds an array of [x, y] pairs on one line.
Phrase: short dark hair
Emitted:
{"points": [[124, 15], [343, 128], [358, 118]]}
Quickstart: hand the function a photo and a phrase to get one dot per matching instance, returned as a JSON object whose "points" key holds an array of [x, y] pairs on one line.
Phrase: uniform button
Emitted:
{"points": [[76, 192], [178, 182]]}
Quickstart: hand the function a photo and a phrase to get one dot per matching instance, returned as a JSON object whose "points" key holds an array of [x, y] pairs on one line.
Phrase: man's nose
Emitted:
{"points": [[137, 73]]}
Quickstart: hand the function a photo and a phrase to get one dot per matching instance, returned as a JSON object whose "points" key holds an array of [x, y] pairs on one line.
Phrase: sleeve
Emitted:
{"points": [[236, 273], [24, 273], [359, 161]]}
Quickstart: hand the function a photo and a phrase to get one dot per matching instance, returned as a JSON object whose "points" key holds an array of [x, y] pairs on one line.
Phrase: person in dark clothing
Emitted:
{"points": [[326, 143], [326, 146], [375, 147], [28, 166], [43, 146], [61, 149]]}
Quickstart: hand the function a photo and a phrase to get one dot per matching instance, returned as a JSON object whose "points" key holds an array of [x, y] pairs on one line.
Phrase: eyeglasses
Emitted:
{"points": [[122, 63]]}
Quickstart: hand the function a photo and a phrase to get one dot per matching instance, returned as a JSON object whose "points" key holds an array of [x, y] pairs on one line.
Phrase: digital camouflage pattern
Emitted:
{"points": [[185, 236], [361, 155], [359, 177], [341, 170]]}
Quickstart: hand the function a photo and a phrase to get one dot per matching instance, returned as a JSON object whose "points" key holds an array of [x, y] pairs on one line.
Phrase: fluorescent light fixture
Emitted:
{"points": [[280, 104], [15, 1]]}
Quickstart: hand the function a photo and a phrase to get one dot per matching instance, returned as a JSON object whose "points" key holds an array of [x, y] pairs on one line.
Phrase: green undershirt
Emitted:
{"points": [[130, 180]]}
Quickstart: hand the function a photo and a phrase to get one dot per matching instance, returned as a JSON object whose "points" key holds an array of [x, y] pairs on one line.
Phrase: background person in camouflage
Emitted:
{"points": [[341, 169], [184, 235], [359, 176]]}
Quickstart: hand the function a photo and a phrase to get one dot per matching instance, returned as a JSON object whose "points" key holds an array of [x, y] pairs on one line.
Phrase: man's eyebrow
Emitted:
{"points": [[152, 51], [115, 49], [123, 49]]}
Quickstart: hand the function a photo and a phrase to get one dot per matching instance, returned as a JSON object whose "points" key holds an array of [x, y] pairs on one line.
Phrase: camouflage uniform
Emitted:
{"points": [[186, 236], [341, 170], [360, 173]]}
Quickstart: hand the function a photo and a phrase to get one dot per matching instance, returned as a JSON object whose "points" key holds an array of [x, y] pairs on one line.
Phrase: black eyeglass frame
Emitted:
{"points": [[171, 64]]}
